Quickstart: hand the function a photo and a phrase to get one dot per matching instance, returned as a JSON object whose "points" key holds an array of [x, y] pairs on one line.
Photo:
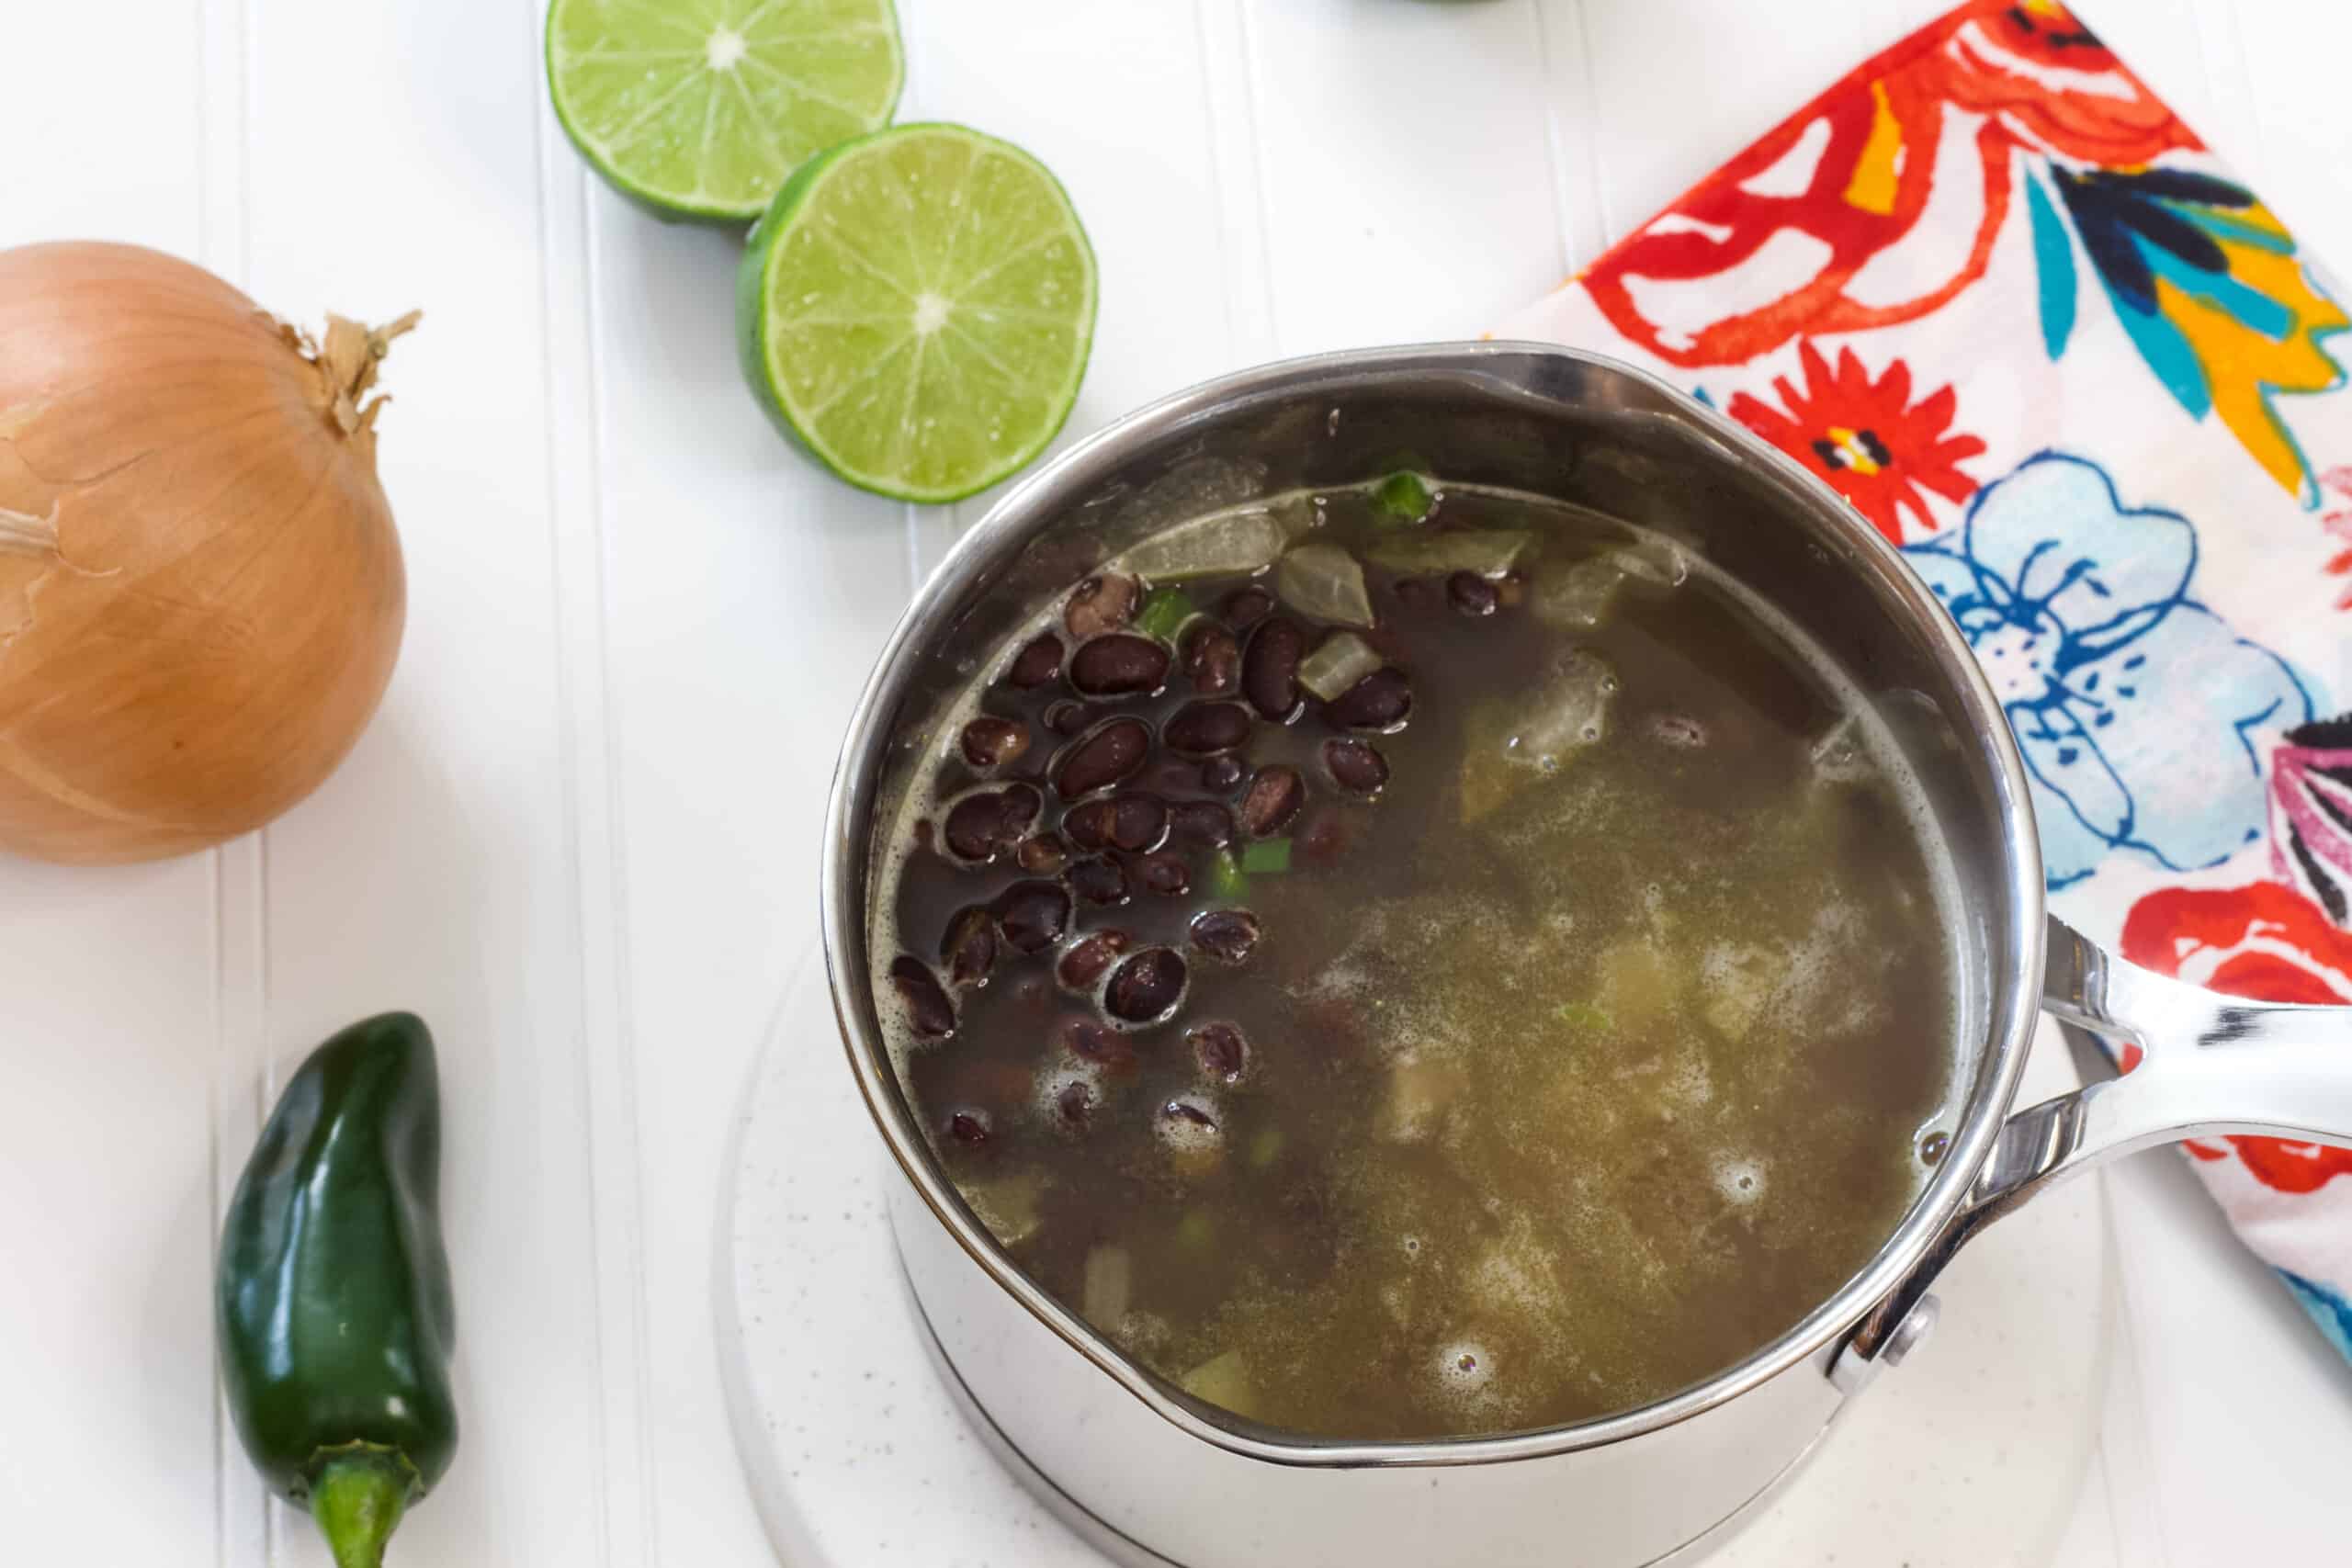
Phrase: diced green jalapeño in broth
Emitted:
{"points": [[1400, 976]]}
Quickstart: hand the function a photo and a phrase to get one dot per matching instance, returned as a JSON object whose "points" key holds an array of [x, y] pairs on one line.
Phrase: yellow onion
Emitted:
{"points": [[200, 588]]}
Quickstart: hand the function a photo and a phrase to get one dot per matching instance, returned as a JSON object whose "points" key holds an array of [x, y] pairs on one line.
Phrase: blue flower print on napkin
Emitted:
{"points": [[2136, 706]]}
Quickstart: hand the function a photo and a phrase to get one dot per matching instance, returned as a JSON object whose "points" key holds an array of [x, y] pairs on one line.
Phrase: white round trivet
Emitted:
{"points": [[1969, 1455]]}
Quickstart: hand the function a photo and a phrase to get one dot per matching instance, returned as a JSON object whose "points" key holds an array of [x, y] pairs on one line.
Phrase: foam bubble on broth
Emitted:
{"points": [[1741, 1181], [1191, 1135], [1465, 1370]]}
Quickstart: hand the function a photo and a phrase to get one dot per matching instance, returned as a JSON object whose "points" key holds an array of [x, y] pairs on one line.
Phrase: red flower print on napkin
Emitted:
{"points": [[1866, 437], [2052, 84], [2266, 941], [2335, 485], [1777, 242]]}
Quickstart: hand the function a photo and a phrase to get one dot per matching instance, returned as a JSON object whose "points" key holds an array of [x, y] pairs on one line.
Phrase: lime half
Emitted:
{"points": [[916, 307], [701, 108]]}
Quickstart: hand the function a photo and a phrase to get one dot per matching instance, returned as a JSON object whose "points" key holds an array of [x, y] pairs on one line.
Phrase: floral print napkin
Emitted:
{"points": [[1991, 289]]}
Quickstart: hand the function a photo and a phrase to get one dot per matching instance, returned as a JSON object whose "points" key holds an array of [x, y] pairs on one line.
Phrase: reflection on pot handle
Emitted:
{"points": [[2210, 1064]]}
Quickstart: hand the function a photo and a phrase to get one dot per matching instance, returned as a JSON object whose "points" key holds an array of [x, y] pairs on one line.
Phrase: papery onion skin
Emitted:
{"points": [[201, 592]]}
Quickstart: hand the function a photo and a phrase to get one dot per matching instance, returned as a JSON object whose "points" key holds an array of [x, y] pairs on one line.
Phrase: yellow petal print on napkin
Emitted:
{"points": [[2244, 364]]}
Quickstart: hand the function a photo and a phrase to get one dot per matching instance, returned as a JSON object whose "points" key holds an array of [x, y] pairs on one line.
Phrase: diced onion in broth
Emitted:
{"points": [[1324, 582], [1338, 662], [1208, 546], [1487, 552], [1110, 1275]]}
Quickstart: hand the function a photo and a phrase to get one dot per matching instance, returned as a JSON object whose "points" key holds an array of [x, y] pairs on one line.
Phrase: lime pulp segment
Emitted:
{"points": [[701, 108], [917, 309]]}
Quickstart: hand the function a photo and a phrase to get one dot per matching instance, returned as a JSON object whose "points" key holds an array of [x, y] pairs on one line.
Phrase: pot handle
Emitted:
{"points": [[2210, 1064]]}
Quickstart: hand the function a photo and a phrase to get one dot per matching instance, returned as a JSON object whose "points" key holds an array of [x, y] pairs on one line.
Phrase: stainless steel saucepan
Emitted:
{"points": [[1155, 1476]]}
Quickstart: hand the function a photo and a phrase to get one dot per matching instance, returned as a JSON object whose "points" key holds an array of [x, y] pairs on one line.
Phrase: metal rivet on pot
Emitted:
{"points": [[1912, 1332], [1853, 1371]]}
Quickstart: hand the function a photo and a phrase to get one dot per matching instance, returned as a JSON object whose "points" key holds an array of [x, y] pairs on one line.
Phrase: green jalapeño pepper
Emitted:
{"points": [[335, 1319]]}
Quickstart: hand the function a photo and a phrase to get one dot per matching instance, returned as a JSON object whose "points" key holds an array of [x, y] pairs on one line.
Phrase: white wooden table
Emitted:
{"points": [[582, 836]]}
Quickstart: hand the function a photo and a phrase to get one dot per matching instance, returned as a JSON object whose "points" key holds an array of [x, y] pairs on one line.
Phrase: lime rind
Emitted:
{"points": [[777, 101], [969, 296]]}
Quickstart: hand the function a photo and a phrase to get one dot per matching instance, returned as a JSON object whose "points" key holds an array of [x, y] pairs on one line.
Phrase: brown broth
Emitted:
{"points": [[1561, 1085]]}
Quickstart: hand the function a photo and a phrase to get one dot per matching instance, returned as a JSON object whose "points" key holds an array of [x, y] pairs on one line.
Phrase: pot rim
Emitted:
{"points": [[1066, 479]]}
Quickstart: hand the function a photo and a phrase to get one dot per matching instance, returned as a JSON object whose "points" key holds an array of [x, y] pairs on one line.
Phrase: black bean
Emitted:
{"points": [[1933, 1147], [1145, 987], [1074, 1103], [1169, 775], [1356, 765], [1185, 1110], [1090, 1041], [1129, 820], [1378, 702], [1204, 729], [1221, 1051], [1088, 957], [1088, 824], [1472, 594], [1117, 664], [1200, 822], [986, 822], [1021, 804], [1138, 822], [976, 826], [969, 947], [990, 741], [1322, 836], [1165, 875], [1245, 607], [1103, 757], [1041, 853], [1228, 934], [1033, 914], [1101, 604], [1066, 718], [1219, 774], [1270, 670], [1212, 659], [930, 1012], [1273, 798], [1098, 880], [1036, 663], [968, 1127]]}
